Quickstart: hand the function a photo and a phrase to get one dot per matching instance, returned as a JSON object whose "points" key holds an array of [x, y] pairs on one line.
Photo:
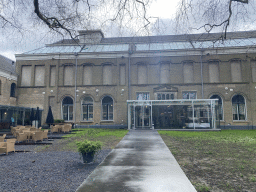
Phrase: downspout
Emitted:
{"points": [[76, 54], [129, 71], [202, 79]]}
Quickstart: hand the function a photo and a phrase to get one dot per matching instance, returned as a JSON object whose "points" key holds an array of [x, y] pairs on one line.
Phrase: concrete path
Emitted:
{"points": [[141, 162]]}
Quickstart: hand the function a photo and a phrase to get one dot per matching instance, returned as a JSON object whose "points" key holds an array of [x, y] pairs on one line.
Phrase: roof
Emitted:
{"points": [[152, 43], [7, 65]]}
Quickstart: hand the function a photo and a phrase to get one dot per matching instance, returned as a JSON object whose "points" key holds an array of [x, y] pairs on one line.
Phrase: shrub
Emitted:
{"points": [[88, 146]]}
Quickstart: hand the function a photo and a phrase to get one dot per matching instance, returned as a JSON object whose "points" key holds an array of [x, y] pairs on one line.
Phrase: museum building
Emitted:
{"points": [[174, 81]]}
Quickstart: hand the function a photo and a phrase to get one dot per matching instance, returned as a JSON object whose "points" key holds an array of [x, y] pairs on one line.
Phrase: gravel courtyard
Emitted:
{"points": [[40, 170]]}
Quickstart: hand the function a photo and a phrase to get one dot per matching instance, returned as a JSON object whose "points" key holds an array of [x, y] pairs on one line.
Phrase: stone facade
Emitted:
{"points": [[8, 81], [122, 68]]}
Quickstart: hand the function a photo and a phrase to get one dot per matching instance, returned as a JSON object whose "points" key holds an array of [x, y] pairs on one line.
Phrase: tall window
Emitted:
{"points": [[107, 74], [0, 86], [87, 75], [142, 74], [52, 76], [87, 109], [238, 108], [214, 72], [26, 76], [164, 73], [253, 65], [165, 96], [68, 75], [107, 108], [143, 96], [188, 72], [67, 109], [219, 116], [13, 88], [122, 74], [189, 95], [236, 75], [39, 75]]}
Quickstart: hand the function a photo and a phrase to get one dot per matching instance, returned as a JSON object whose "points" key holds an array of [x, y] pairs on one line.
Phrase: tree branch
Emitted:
{"points": [[226, 22], [52, 22]]}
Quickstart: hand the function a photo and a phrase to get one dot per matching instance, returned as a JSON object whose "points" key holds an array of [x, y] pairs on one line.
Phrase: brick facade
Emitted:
{"points": [[223, 81]]}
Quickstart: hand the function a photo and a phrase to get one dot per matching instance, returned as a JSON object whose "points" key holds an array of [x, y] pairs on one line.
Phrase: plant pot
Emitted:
{"points": [[88, 157]]}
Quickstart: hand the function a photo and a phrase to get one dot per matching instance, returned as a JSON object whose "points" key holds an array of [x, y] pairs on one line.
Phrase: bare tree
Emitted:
{"points": [[65, 17], [214, 15]]}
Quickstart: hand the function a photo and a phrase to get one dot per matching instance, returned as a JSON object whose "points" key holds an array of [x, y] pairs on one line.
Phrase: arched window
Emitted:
{"points": [[0, 86], [13, 88], [67, 109], [87, 109], [238, 108], [107, 108], [219, 115]]}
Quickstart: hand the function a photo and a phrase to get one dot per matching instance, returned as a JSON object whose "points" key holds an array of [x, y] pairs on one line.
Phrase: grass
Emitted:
{"points": [[109, 137], [214, 157], [90, 132]]}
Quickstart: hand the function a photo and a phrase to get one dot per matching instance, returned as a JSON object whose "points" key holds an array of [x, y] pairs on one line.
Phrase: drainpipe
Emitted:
{"points": [[74, 113], [130, 52], [202, 79]]}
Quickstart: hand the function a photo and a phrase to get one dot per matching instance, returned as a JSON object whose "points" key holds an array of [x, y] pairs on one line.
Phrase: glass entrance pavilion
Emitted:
{"points": [[173, 114]]}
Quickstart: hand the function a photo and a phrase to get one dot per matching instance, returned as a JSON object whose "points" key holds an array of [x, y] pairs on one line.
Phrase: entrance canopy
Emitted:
{"points": [[172, 114]]}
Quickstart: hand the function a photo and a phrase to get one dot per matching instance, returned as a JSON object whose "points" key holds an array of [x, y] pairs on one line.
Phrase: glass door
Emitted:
{"points": [[142, 116]]}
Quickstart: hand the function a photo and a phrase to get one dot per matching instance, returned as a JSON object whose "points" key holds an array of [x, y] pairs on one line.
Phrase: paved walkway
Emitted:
{"points": [[141, 162]]}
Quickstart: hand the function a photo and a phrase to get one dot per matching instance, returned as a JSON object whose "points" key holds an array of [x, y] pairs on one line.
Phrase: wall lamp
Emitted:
{"points": [[122, 91], [97, 92]]}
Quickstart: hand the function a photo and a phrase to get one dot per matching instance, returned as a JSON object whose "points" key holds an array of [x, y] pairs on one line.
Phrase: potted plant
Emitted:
{"points": [[88, 149]]}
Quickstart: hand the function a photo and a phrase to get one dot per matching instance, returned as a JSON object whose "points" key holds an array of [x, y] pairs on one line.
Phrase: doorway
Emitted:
{"points": [[143, 116]]}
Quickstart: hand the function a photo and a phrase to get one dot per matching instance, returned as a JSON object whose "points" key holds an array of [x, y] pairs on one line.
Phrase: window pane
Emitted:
{"points": [[105, 112], [192, 95], [163, 96], [234, 111], [85, 114], [110, 112], [90, 118], [185, 95], [70, 112], [65, 112], [158, 97], [167, 96]]}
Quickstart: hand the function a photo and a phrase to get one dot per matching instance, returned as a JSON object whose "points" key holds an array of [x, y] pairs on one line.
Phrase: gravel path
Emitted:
{"points": [[44, 171]]}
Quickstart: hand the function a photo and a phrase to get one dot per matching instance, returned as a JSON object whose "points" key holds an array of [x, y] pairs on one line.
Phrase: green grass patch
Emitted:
{"points": [[92, 132], [109, 137], [245, 137], [208, 158]]}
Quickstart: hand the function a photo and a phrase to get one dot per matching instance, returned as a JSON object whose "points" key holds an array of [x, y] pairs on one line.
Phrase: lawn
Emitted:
{"points": [[216, 161], [109, 137]]}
